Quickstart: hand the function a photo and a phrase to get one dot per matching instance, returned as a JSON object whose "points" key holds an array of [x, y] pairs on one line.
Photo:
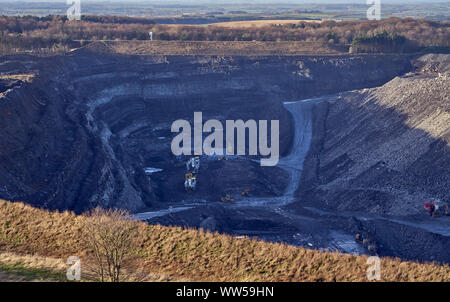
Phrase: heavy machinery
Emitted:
{"points": [[429, 207], [190, 181], [372, 248], [228, 198], [245, 193], [190, 178], [436, 208], [193, 164], [367, 241]]}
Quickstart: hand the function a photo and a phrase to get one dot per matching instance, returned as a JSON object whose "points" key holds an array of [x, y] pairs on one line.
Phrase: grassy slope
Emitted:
{"points": [[18, 272], [183, 254], [15, 267]]}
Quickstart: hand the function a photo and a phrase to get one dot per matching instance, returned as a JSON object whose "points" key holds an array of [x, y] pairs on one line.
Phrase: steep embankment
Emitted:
{"points": [[170, 253], [384, 150], [87, 127]]}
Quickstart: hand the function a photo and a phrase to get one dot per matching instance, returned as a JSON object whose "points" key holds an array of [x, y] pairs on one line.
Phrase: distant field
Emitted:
{"points": [[260, 23], [205, 13]]}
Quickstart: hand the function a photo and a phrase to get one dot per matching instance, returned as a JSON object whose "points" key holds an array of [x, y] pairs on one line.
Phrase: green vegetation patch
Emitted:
{"points": [[32, 273]]}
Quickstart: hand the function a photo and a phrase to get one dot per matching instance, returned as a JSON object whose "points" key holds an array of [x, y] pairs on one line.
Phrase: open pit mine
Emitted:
{"points": [[364, 142]]}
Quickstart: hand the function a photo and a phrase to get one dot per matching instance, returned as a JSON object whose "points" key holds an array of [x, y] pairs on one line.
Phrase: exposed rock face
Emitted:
{"points": [[387, 149], [84, 131]]}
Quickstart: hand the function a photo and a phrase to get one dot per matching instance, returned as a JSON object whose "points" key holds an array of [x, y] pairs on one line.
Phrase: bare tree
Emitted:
{"points": [[112, 236]]}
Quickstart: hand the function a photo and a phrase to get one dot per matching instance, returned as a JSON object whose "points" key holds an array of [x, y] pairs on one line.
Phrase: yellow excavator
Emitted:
{"points": [[227, 198], [245, 193]]}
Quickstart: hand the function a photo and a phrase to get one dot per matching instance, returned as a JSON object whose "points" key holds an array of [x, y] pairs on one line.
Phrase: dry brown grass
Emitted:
{"points": [[174, 253], [16, 267], [244, 48], [33, 261]]}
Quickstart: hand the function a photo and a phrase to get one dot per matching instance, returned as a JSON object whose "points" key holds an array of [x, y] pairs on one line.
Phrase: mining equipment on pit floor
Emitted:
{"points": [[436, 208], [227, 198], [190, 179], [245, 193], [367, 241]]}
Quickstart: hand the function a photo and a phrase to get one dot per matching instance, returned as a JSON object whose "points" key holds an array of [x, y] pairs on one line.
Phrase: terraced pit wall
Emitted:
{"points": [[85, 129]]}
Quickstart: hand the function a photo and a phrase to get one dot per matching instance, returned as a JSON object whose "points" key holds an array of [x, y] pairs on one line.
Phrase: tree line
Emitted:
{"points": [[395, 33]]}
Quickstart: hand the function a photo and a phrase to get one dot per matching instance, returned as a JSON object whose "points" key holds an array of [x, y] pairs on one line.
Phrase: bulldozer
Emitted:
{"points": [[227, 198]]}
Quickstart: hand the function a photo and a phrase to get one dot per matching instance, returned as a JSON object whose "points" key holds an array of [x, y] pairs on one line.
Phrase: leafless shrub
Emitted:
{"points": [[111, 236]]}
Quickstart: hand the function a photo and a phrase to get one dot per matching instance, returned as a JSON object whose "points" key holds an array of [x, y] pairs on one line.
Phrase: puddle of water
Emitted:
{"points": [[152, 170]]}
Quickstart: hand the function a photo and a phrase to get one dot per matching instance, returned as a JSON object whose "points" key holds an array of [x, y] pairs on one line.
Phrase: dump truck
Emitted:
{"points": [[193, 164], [190, 181]]}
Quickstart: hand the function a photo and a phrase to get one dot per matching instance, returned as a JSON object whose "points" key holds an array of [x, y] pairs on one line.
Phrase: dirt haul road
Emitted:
{"points": [[293, 163], [310, 227]]}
